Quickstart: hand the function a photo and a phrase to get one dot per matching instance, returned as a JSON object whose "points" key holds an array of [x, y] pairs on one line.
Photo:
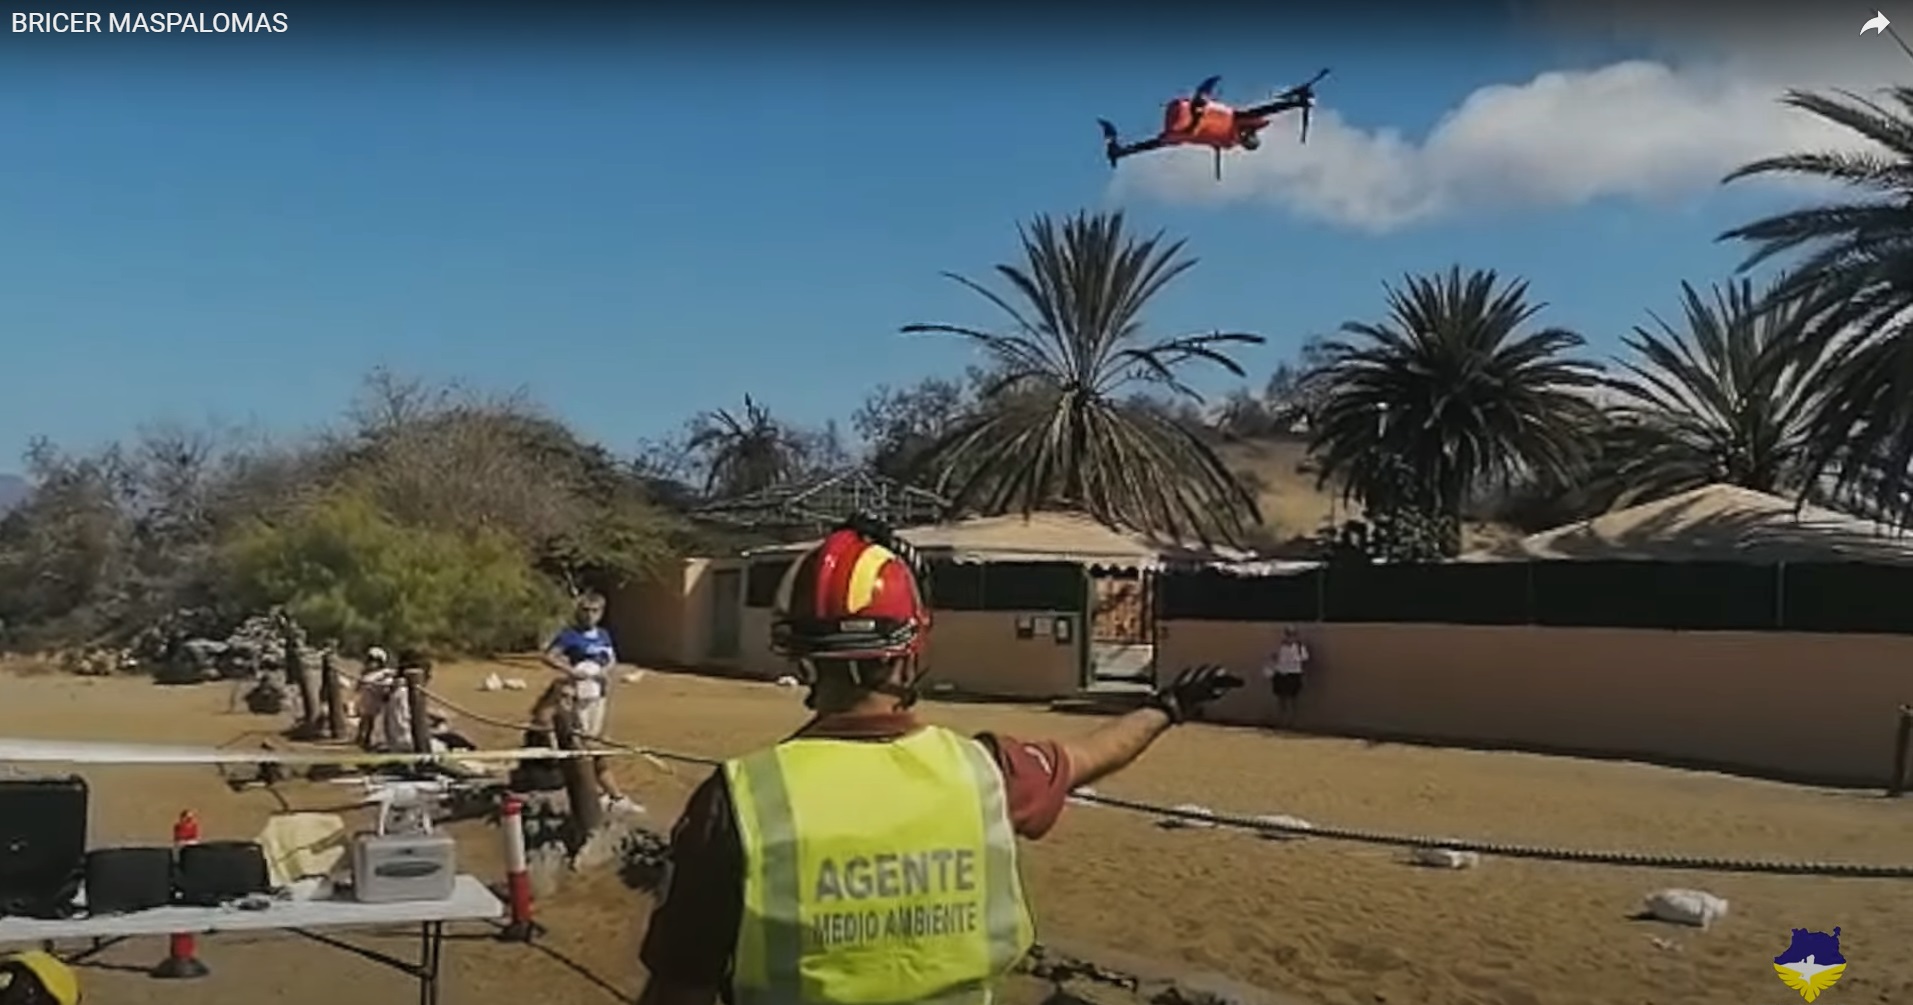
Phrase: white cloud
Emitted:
{"points": [[1641, 130]]}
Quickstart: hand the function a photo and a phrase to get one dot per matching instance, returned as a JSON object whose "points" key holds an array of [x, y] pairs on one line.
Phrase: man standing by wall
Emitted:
{"points": [[1285, 670]]}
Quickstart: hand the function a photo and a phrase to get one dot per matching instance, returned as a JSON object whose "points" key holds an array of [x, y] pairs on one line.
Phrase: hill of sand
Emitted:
{"points": [[1294, 505]]}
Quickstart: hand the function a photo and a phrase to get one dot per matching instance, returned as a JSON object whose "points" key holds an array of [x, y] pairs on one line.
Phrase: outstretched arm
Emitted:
{"points": [[1111, 747]]}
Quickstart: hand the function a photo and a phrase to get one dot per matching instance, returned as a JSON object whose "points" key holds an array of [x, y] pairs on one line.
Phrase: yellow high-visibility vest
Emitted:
{"points": [[876, 873]]}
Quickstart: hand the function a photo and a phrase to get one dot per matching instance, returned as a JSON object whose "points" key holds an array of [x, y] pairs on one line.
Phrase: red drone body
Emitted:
{"points": [[1200, 120]]}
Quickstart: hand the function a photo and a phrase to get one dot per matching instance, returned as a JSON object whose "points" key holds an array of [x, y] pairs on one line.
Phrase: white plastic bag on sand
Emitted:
{"points": [[787, 681], [1444, 858], [1177, 822], [492, 683], [1686, 907], [514, 683], [633, 677], [1283, 820]]}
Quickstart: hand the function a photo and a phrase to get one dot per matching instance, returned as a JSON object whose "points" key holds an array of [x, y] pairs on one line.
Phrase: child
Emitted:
{"points": [[583, 656]]}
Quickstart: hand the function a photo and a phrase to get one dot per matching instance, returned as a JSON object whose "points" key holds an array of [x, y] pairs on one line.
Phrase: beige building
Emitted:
{"points": [[1041, 607]]}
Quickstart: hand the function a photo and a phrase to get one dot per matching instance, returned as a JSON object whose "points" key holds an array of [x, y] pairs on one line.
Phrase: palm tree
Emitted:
{"points": [[746, 452], [1856, 274], [1447, 396], [1053, 428], [1725, 398]]}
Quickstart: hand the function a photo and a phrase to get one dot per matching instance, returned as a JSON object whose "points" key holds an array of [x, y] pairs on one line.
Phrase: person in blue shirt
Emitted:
{"points": [[583, 656]]}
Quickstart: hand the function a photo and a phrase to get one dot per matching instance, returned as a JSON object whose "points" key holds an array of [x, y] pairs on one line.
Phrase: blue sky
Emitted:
{"points": [[239, 228]]}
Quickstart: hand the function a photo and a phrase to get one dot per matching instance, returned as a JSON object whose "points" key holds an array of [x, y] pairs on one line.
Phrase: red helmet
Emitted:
{"points": [[849, 598]]}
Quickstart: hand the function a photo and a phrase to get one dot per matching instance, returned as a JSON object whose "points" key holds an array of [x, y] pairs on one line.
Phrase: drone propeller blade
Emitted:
{"points": [[1200, 99], [1306, 89], [1218, 151], [1109, 130], [1306, 110]]}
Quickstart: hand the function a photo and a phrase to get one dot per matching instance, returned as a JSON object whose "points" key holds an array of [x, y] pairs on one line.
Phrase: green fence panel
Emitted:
{"points": [[1693, 596], [1484, 593], [1847, 597]]}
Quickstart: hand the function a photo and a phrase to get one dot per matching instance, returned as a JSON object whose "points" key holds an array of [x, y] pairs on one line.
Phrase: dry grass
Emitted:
{"points": [[1331, 922]]}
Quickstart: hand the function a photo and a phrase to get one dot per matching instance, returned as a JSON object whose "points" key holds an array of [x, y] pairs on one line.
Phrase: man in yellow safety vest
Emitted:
{"points": [[870, 859]]}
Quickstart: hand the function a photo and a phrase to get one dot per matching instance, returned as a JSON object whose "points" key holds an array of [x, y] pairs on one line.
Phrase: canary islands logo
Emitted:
{"points": [[1812, 963]]}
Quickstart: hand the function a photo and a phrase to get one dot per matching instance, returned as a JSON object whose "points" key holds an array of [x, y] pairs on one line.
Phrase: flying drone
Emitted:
{"points": [[1201, 120]]}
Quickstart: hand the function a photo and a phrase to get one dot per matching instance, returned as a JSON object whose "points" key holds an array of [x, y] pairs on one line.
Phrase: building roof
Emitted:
{"points": [[823, 500], [1713, 523], [1051, 536]]}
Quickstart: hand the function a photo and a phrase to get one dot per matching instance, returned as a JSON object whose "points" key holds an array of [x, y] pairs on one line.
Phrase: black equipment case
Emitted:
{"points": [[124, 880], [42, 845], [215, 872]]}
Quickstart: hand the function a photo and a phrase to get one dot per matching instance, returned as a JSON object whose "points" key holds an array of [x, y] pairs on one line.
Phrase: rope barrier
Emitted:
{"points": [[1638, 859], [1650, 860]]}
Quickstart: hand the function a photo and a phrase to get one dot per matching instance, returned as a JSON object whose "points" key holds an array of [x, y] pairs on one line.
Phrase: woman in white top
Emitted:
{"points": [[1285, 670], [373, 692]]}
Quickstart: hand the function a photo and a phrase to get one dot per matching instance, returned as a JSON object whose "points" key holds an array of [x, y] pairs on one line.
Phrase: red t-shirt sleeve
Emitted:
{"points": [[693, 929], [1035, 780]]}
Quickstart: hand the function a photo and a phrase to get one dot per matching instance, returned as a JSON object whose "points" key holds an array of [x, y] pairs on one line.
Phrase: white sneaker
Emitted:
{"points": [[623, 804]]}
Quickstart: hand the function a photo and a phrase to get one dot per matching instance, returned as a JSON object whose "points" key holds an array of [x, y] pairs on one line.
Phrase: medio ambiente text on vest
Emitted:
{"points": [[945, 873]]}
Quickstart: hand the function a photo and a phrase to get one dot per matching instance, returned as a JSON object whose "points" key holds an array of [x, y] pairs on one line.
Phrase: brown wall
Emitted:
{"points": [[979, 653], [666, 621], [1817, 708], [646, 619]]}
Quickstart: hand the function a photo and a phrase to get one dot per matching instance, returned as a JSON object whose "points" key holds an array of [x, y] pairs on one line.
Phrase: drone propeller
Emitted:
{"points": [[1306, 89], [1203, 92], [1305, 93]]}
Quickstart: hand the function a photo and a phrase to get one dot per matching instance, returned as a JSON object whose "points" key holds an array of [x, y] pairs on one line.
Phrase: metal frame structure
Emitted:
{"points": [[816, 504]]}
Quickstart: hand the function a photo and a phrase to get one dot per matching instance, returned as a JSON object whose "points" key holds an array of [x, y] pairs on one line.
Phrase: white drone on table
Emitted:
{"points": [[404, 806]]}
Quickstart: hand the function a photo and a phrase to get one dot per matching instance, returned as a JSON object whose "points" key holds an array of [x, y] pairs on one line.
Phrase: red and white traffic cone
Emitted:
{"points": [[182, 952], [517, 872]]}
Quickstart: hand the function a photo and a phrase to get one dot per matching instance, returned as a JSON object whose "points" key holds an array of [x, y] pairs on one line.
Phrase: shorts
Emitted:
{"points": [[1286, 685], [591, 717]]}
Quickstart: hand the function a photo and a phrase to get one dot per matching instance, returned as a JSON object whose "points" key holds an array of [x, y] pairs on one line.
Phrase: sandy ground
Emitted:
{"points": [[1329, 922]]}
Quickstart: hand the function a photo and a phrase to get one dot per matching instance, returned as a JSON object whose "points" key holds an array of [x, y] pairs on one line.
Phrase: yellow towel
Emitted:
{"points": [[298, 845]]}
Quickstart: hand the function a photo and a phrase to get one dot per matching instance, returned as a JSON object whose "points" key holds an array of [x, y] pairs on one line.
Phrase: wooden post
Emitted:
{"points": [[581, 783], [421, 719], [333, 693], [1902, 741]]}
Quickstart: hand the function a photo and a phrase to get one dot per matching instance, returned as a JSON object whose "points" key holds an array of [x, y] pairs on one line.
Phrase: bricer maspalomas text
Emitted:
{"points": [[63, 22]]}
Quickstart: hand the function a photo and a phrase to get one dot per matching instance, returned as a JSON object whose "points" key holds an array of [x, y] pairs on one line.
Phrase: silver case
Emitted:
{"points": [[397, 868]]}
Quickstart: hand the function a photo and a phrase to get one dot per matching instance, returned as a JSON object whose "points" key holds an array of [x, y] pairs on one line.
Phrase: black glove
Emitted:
{"points": [[1183, 698]]}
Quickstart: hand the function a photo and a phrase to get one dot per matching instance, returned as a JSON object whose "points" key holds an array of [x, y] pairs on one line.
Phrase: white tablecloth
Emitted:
{"points": [[470, 901]]}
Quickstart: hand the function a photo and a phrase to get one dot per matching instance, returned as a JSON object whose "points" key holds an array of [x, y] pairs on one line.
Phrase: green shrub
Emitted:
{"points": [[346, 570]]}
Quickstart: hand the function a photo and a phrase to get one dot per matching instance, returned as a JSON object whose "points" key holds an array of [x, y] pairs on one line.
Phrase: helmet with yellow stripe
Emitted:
{"points": [[852, 597], [37, 978]]}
